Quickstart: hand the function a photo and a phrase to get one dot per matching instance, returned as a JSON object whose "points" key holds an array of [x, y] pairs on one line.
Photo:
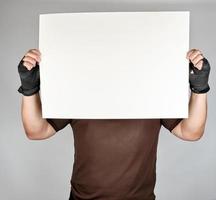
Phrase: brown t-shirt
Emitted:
{"points": [[115, 159]]}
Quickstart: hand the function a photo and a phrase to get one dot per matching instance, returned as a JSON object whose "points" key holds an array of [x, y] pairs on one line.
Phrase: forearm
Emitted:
{"points": [[32, 115], [195, 123]]}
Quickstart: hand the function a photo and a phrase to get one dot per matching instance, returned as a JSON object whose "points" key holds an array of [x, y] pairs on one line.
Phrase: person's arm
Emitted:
{"points": [[192, 128], [36, 127]]}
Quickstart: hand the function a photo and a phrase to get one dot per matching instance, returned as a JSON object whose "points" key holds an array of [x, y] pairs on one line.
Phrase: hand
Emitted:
{"points": [[199, 69], [28, 69]]}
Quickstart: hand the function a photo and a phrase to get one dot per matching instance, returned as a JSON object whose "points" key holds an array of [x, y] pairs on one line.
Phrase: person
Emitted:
{"points": [[114, 159]]}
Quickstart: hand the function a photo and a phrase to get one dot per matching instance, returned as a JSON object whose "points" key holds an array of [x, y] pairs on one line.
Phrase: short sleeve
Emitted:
{"points": [[58, 124], [170, 123]]}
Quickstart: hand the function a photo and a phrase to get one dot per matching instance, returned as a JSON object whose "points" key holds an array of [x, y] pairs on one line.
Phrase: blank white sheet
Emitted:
{"points": [[114, 65]]}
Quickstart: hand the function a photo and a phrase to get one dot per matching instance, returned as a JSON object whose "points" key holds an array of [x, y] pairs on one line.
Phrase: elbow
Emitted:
{"points": [[34, 135], [38, 133], [193, 137], [35, 132], [193, 134]]}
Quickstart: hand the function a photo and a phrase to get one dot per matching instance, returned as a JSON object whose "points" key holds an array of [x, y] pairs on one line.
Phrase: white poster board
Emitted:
{"points": [[110, 65]]}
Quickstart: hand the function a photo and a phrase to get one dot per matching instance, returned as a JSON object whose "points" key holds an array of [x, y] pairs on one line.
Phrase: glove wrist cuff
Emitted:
{"points": [[200, 91], [28, 92]]}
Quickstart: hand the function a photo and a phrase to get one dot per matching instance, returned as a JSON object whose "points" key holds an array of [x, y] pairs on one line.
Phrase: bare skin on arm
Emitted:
{"points": [[36, 128], [192, 128]]}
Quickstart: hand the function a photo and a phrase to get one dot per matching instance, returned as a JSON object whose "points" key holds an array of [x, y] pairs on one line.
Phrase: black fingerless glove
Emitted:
{"points": [[30, 79], [198, 79]]}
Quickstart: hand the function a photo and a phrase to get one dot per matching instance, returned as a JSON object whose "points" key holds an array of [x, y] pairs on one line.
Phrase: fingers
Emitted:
{"points": [[197, 61], [31, 57], [36, 51], [193, 53], [189, 53], [199, 64], [196, 57], [30, 60]]}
